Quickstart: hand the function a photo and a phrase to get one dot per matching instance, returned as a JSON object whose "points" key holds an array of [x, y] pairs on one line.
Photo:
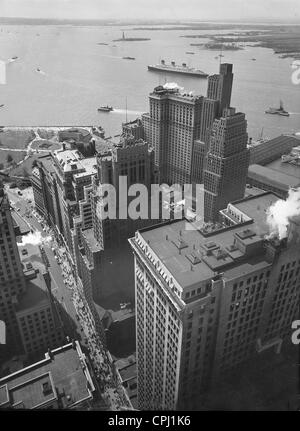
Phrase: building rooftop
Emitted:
{"points": [[264, 150], [276, 175], [63, 378], [36, 294], [191, 257], [20, 225], [128, 373], [72, 160], [47, 162], [31, 254], [89, 237], [291, 169]]}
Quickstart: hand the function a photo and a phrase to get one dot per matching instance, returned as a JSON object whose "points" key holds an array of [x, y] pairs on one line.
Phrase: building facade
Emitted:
{"points": [[171, 127], [226, 163], [26, 305], [208, 302], [12, 280], [62, 380]]}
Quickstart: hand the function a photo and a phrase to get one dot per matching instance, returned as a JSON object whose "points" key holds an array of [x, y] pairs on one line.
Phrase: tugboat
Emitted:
{"points": [[105, 108], [278, 111]]}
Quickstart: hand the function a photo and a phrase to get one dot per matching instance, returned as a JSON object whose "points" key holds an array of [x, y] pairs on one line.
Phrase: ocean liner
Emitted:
{"points": [[173, 68]]}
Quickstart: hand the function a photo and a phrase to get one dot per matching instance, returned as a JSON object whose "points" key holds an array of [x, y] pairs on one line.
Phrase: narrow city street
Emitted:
{"points": [[78, 320]]}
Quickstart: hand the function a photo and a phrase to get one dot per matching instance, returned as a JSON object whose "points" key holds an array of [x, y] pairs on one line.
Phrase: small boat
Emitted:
{"points": [[105, 108], [253, 59], [1, 106], [129, 58], [102, 43], [14, 58], [38, 69], [278, 111], [190, 52]]}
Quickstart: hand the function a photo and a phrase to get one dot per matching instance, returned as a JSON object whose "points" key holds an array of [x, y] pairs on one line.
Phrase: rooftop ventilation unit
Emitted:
{"points": [[247, 233], [47, 389], [193, 258], [220, 254], [180, 244], [232, 247]]}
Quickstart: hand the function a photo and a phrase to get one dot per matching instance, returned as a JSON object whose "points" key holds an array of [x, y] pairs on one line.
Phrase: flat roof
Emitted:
{"points": [[266, 144], [36, 294], [287, 168], [65, 375], [47, 162], [20, 223], [69, 158], [32, 256], [89, 236], [178, 243], [128, 371], [277, 178]]}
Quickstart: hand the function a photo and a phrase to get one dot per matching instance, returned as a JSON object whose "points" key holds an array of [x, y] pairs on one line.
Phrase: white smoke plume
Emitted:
{"points": [[34, 239], [172, 86], [279, 213]]}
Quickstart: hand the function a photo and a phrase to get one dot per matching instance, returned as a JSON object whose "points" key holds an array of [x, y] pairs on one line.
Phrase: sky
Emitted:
{"points": [[227, 10]]}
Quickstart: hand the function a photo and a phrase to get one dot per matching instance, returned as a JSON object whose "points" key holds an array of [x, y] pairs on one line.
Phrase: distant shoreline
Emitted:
{"points": [[188, 24]]}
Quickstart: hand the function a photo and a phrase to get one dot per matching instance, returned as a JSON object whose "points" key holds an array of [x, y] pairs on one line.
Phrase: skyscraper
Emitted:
{"points": [[220, 86], [12, 280], [227, 163], [206, 302], [26, 304], [171, 127], [101, 243]]}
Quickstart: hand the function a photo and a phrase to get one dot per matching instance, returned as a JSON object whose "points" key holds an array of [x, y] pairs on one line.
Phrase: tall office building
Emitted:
{"points": [[218, 98], [227, 163], [61, 380], [171, 127], [220, 86], [12, 280], [206, 302], [102, 242], [26, 304], [73, 173]]}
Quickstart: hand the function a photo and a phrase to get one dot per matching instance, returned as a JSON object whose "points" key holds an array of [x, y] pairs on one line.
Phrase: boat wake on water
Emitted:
{"points": [[123, 111], [110, 56], [40, 71], [12, 60]]}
